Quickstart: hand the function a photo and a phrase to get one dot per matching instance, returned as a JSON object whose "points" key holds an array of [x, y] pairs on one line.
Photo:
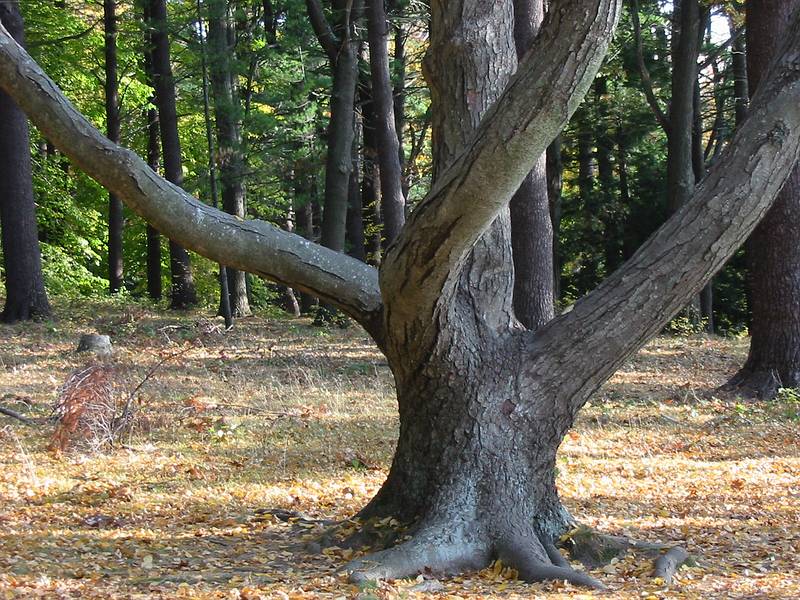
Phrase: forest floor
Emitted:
{"points": [[277, 413]]}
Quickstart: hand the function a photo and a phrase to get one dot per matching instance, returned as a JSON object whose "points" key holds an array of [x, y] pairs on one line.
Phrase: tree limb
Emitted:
{"points": [[611, 323], [15, 415], [538, 101], [252, 245], [322, 29], [647, 82]]}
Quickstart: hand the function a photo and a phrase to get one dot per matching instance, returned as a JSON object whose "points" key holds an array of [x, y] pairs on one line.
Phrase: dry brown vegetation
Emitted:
{"points": [[277, 413]]}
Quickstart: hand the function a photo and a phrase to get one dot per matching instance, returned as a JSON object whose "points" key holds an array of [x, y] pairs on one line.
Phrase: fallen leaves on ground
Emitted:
{"points": [[278, 414]]}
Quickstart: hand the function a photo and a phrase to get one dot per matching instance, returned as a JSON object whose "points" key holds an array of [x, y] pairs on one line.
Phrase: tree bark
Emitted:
{"points": [[388, 144], [772, 251], [115, 218], [227, 117], [531, 228], [355, 209], [25, 294], [182, 293], [555, 181]]}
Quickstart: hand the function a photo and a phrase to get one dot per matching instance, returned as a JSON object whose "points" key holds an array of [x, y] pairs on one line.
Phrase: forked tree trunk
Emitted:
{"points": [[25, 293], [773, 250]]}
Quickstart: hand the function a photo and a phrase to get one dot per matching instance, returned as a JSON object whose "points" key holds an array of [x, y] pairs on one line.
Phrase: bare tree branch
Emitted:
{"points": [[322, 29], [253, 245]]}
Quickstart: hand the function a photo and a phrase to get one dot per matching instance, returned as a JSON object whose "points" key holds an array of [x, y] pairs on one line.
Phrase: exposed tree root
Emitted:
{"points": [[668, 563], [535, 562], [759, 384], [594, 549], [427, 552], [15, 415]]}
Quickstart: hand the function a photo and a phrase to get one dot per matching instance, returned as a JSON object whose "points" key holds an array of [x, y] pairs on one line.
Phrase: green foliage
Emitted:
{"points": [[789, 398]]}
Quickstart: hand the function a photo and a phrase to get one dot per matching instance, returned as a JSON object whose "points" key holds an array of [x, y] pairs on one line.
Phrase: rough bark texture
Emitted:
{"points": [[483, 402], [25, 293], [182, 294], [531, 228], [227, 117], [392, 200], [555, 181], [773, 250], [115, 218]]}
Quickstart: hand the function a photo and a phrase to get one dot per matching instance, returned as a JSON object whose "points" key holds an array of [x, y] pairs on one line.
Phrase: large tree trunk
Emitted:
{"points": [[182, 294], [457, 406], [227, 117], [773, 250], [531, 228], [115, 218], [25, 293]]}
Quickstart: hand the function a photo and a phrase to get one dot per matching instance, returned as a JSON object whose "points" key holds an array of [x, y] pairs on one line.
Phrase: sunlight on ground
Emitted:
{"points": [[280, 414]]}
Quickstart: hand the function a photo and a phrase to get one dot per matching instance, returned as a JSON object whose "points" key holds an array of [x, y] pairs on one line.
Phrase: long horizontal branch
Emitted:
{"points": [[538, 101], [584, 347], [254, 246]]}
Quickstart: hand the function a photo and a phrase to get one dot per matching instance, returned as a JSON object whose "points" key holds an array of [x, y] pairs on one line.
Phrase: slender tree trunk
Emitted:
{"points": [[370, 184], [153, 237], [338, 164], [706, 298], [589, 276], [555, 178], [609, 209], [355, 210], [115, 218], [183, 294], [227, 116], [154, 284], [773, 251], [303, 210], [388, 143], [399, 95], [25, 294], [531, 227]]}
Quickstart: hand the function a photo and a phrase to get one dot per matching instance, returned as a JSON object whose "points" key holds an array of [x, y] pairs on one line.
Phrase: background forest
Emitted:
{"points": [[270, 132]]}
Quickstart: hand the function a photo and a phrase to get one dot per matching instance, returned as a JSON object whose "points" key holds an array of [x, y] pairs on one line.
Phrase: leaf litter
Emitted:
{"points": [[244, 447]]}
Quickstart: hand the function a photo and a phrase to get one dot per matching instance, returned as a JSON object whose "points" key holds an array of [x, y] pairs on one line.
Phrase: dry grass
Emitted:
{"points": [[280, 414]]}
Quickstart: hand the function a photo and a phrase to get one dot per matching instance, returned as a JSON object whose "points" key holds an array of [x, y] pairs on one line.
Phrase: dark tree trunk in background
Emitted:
{"points": [[25, 294], [227, 116], [531, 227], [154, 287], [303, 210], [555, 180], [399, 94], [371, 180], [699, 169], [608, 209], [355, 210], [115, 218], [685, 50], [182, 293], [739, 67], [773, 250], [153, 237], [589, 276], [388, 143]]}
